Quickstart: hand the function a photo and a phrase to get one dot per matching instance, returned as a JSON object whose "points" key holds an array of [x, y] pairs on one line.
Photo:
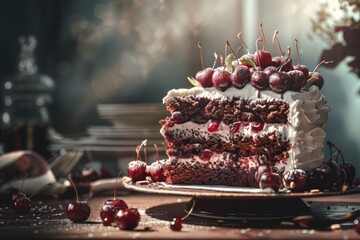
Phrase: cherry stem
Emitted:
{"points": [[201, 55], [280, 49], [322, 62], [138, 153], [116, 182], [228, 45], [73, 184], [190, 211], [297, 50], [329, 159], [273, 42], [40, 189], [23, 182], [222, 60], [138, 148], [262, 35], [145, 155], [216, 58], [239, 49], [243, 42], [89, 155], [339, 151], [257, 49], [157, 153], [288, 59]]}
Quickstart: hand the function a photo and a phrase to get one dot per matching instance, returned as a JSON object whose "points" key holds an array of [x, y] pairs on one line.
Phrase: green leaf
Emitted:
{"points": [[193, 81], [228, 62], [248, 60]]}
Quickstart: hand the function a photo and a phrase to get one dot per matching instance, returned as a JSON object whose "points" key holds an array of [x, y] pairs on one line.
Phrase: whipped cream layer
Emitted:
{"points": [[307, 116]]}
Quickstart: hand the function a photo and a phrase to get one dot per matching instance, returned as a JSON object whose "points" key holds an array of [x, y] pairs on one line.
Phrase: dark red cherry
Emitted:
{"points": [[127, 219], [259, 80], [221, 79], [319, 177], [262, 58], [16, 196], [137, 170], [156, 172], [297, 80], [9, 194], [240, 76], [303, 69], [277, 61], [295, 179], [270, 180], [78, 211], [319, 80], [107, 214], [22, 205], [270, 70], [356, 182], [176, 224], [204, 77], [279, 82], [260, 171]]}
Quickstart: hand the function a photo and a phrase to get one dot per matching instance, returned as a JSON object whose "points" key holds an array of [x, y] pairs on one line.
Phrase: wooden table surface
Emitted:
{"points": [[47, 220]]}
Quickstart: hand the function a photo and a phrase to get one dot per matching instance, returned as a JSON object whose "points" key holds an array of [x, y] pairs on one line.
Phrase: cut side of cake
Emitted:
{"points": [[217, 137]]}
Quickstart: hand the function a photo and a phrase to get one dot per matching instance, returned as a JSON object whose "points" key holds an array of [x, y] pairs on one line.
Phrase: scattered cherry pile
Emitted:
{"points": [[260, 69], [330, 175], [115, 212]]}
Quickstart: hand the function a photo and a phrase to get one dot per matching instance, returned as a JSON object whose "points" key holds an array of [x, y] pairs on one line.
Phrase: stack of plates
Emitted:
{"points": [[130, 125]]}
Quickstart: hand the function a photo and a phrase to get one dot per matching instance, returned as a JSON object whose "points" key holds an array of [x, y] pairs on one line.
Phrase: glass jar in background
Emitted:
{"points": [[26, 97]]}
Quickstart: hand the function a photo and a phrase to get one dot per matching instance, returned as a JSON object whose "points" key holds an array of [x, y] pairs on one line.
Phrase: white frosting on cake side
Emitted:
{"points": [[307, 116]]}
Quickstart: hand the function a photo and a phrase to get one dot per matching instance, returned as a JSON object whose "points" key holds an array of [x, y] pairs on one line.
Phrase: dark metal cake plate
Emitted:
{"points": [[234, 203]]}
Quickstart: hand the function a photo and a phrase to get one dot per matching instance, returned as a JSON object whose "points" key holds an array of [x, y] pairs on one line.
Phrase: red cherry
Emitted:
{"points": [[260, 171], [259, 80], [107, 214], [77, 211], [356, 182], [300, 67], [176, 224], [279, 82], [204, 77], [297, 80], [319, 82], [270, 180], [262, 57], [240, 76], [221, 79], [22, 205], [156, 172], [127, 219], [137, 170], [213, 126], [294, 179], [257, 126]]}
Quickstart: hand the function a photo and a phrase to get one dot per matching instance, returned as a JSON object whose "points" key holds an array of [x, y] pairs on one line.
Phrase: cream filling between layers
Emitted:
{"points": [[307, 116]]}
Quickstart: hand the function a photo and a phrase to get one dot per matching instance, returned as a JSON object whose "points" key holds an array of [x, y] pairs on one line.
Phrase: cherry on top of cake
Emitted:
{"points": [[260, 69]]}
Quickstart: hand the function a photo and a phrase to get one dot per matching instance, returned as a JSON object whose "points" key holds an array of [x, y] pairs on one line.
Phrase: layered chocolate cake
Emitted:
{"points": [[251, 113]]}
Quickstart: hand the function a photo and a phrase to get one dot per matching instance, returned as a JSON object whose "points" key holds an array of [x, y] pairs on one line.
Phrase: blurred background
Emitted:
{"points": [[94, 53]]}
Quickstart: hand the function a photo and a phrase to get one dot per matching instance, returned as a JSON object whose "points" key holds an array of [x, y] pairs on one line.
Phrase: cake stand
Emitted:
{"points": [[235, 203]]}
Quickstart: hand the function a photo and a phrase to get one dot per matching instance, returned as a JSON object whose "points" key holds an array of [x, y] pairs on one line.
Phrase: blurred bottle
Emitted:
{"points": [[24, 116]]}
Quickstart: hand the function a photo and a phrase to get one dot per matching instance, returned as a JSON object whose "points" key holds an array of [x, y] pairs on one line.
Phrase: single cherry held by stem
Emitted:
{"points": [[176, 223], [137, 169], [77, 211], [127, 219], [156, 171], [262, 57], [221, 78], [204, 76]]}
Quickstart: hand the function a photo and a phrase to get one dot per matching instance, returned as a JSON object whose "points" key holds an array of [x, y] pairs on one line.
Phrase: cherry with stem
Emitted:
{"points": [[176, 223]]}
